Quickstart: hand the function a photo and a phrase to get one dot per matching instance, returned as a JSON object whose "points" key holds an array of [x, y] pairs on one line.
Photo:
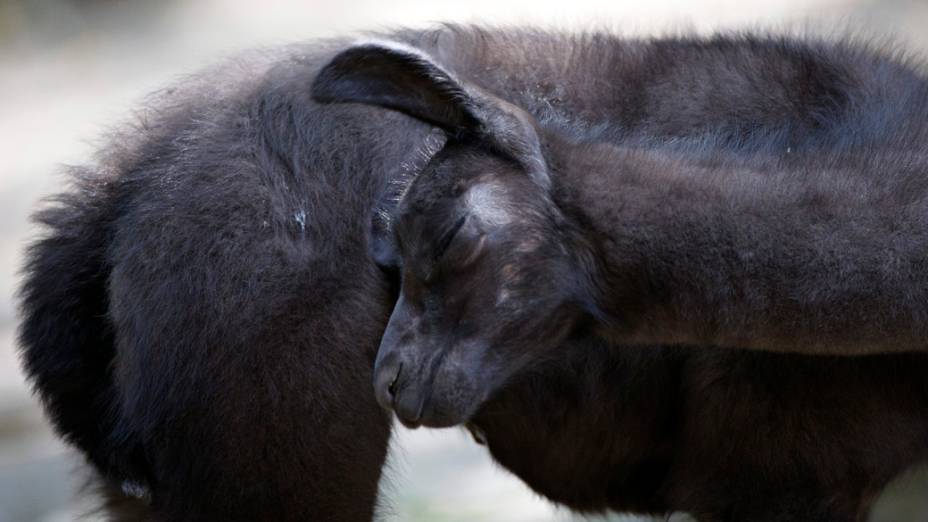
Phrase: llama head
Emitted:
{"points": [[488, 283]]}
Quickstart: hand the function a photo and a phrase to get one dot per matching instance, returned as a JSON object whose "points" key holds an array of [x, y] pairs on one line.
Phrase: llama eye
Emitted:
{"points": [[445, 240]]}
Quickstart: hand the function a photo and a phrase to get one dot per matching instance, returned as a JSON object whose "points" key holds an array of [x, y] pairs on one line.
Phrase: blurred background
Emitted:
{"points": [[70, 68]]}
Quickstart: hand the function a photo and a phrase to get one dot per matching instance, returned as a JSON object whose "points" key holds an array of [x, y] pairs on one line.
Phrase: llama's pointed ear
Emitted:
{"points": [[398, 77], [402, 78]]}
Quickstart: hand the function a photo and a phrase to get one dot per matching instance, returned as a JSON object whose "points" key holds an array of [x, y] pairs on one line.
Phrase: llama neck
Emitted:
{"points": [[793, 255]]}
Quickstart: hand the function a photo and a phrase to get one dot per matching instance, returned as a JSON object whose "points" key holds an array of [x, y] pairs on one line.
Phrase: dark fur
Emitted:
{"points": [[202, 315], [804, 236], [725, 435]]}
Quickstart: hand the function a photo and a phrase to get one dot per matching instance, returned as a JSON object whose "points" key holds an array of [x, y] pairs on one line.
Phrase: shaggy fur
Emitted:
{"points": [[803, 237], [202, 314], [726, 435]]}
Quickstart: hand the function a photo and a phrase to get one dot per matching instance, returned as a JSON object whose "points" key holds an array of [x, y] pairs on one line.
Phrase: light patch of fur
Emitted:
{"points": [[476, 251], [510, 278], [502, 296], [489, 203], [528, 246], [134, 489], [300, 218]]}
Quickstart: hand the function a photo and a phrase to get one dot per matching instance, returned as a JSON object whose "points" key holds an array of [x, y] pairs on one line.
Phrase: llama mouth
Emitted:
{"points": [[477, 433], [409, 412], [412, 425], [408, 406]]}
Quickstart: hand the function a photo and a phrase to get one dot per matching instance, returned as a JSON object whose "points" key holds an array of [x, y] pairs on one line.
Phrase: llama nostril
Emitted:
{"points": [[388, 383], [392, 387]]}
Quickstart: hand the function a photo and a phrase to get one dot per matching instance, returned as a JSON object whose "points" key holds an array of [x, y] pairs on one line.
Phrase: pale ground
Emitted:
{"points": [[64, 76]]}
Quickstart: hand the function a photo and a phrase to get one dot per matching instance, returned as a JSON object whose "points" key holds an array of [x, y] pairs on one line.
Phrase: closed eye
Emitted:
{"points": [[445, 240]]}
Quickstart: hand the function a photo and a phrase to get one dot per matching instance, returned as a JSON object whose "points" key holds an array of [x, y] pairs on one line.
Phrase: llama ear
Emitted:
{"points": [[405, 79], [398, 77], [382, 246]]}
